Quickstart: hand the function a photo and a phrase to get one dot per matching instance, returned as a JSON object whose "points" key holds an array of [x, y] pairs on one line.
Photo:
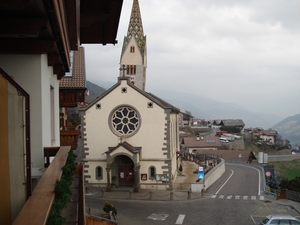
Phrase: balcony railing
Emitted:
{"points": [[69, 138], [37, 207]]}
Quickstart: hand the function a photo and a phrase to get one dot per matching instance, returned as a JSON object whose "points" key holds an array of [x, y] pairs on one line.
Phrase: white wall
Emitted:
{"points": [[32, 73], [150, 136]]}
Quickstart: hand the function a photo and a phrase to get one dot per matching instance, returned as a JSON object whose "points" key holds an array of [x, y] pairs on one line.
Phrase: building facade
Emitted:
{"points": [[131, 137], [36, 40]]}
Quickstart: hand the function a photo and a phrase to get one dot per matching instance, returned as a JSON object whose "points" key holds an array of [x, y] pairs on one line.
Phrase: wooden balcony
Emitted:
{"points": [[37, 208], [69, 138], [70, 98]]}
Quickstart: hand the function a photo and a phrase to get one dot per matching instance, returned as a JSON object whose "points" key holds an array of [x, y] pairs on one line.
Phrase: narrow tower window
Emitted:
{"points": [[132, 49]]}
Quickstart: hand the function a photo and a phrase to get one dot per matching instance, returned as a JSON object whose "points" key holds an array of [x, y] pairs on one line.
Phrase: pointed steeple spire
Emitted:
{"points": [[134, 50], [135, 28]]}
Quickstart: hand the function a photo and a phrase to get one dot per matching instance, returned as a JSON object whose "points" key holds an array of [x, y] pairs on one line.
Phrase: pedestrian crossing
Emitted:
{"points": [[239, 197]]}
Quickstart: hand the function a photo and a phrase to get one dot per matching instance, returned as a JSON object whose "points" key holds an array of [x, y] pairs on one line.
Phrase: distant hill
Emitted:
{"points": [[203, 108], [94, 91], [206, 108], [289, 128]]}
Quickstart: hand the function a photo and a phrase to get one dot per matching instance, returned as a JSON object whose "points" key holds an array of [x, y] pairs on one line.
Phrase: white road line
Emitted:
{"points": [[261, 198], [180, 219], [253, 197], [221, 196], [229, 197], [232, 172], [213, 196], [237, 197], [245, 197]]}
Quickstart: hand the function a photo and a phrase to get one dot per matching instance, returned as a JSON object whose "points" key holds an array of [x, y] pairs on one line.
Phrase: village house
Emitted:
{"points": [[268, 136], [192, 144]]}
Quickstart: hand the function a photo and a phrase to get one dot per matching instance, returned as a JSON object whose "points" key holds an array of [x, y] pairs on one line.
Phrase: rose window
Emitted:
{"points": [[125, 120]]}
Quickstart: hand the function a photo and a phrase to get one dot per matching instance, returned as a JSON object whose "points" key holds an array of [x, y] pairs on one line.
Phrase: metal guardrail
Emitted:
{"points": [[293, 195]]}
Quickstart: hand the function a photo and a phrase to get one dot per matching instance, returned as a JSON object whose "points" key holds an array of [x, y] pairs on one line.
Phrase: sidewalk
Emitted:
{"points": [[286, 202]]}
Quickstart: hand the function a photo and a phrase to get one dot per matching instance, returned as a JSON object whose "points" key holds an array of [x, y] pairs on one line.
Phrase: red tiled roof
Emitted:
{"points": [[207, 141], [233, 155], [77, 78]]}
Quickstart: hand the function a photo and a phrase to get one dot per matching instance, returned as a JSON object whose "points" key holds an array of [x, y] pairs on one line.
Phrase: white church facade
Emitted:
{"points": [[131, 137]]}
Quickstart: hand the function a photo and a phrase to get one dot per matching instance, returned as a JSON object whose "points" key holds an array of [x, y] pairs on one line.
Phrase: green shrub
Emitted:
{"points": [[62, 191]]}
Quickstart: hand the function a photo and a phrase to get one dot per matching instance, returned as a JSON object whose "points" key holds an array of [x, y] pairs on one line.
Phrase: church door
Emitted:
{"points": [[126, 172]]}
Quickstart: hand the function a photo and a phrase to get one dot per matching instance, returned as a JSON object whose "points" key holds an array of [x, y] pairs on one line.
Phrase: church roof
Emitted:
{"points": [[135, 29], [150, 96], [125, 145]]}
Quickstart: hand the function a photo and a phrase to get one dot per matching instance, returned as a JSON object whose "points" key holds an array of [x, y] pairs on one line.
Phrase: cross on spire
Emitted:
{"points": [[124, 69]]}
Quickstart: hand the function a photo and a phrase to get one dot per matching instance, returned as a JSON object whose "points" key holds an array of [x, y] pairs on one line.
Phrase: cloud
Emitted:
{"points": [[242, 52]]}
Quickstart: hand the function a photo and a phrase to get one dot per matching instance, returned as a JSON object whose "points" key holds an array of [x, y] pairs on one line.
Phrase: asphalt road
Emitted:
{"points": [[220, 205], [238, 180]]}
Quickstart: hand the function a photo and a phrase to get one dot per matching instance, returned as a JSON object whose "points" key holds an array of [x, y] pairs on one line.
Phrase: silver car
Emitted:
{"points": [[281, 219]]}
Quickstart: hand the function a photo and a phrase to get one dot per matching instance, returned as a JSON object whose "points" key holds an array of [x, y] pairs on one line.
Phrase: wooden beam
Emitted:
{"points": [[73, 18], [22, 27], [25, 46], [57, 68]]}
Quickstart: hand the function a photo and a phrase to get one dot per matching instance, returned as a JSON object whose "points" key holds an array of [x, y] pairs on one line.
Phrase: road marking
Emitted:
{"points": [[213, 196], [259, 177], [237, 197], [232, 172], [229, 197], [221, 196], [253, 197], [245, 197], [155, 216], [261, 198], [180, 219]]}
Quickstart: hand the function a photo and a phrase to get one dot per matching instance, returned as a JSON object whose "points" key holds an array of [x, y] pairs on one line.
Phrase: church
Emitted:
{"points": [[131, 137]]}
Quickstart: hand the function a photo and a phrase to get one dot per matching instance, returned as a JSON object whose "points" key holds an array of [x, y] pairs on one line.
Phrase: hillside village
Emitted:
{"points": [[230, 130], [125, 137]]}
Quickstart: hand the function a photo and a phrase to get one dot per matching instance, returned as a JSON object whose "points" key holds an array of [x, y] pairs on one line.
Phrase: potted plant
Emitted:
{"points": [[109, 207]]}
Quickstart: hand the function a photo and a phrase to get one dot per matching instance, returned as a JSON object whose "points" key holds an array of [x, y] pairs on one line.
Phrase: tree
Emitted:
{"points": [[287, 143], [188, 112], [274, 182]]}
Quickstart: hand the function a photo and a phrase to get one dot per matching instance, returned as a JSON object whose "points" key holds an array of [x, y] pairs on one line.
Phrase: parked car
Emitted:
{"points": [[280, 219], [223, 140]]}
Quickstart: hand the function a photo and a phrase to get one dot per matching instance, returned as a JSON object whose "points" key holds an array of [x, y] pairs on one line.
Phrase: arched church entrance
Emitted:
{"points": [[125, 171]]}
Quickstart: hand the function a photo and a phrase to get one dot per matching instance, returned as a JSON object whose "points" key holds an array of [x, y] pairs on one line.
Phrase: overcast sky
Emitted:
{"points": [[245, 52]]}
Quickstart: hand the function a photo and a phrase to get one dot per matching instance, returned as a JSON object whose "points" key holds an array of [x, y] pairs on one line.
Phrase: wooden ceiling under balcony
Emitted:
{"points": [[55, 27]]}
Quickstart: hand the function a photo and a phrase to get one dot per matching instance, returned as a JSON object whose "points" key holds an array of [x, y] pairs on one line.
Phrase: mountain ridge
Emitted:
{"points": [[207, 108]]}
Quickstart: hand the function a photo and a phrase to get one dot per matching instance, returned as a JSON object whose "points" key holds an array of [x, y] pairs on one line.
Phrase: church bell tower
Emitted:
{"points": [[134, 51]]}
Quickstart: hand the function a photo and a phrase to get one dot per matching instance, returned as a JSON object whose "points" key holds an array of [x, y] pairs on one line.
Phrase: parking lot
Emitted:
{"points": [[271, 208]]}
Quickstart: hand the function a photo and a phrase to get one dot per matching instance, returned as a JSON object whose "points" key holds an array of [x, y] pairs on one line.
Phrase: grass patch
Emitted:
{"points": [[287, 169], [252, 147]]}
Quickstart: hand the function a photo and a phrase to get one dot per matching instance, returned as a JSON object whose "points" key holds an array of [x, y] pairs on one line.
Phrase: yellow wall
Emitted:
{"points": [[5, 206]]}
